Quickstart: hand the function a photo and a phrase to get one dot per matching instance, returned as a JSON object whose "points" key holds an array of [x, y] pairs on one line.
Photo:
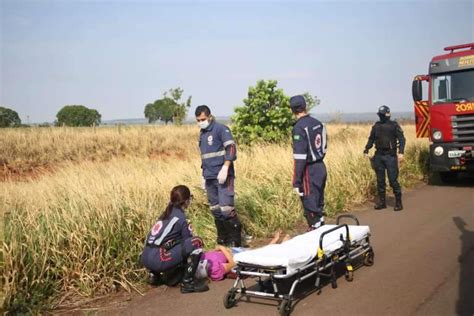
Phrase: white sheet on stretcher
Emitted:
{"points": [[300, 250]]}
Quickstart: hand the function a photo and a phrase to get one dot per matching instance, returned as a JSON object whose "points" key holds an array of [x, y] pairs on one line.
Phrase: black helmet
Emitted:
{"points": [[384, 110]]}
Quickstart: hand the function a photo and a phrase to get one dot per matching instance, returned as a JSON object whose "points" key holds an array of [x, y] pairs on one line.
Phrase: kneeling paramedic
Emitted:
{"points": [[218, 152], [170, 244], [309, 149], [387, 136]]}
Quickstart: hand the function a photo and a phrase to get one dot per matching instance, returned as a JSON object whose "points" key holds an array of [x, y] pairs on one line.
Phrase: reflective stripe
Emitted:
{"points": [[227, 208], [324, 141], [229, 142], [167, 230], [227, 211], [309, 144], [214, 154], [300, 156]]}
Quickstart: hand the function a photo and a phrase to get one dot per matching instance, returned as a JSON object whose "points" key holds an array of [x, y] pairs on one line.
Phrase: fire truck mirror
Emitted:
{"points": [[417, 90]]}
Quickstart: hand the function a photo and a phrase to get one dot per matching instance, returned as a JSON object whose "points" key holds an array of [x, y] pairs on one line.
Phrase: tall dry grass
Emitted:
{"points": [[29, 149], [79, 231]]}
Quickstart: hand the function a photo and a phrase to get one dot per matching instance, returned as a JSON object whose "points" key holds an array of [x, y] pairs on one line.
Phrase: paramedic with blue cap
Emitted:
{"points": [[309, 149], [218, 152]]}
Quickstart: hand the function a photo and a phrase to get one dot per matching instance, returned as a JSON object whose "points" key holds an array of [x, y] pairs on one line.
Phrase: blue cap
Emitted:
{"points": [[297, 103]]}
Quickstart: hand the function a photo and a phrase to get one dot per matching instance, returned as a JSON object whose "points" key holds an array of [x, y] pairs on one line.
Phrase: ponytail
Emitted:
{"points": [[178, 197]]}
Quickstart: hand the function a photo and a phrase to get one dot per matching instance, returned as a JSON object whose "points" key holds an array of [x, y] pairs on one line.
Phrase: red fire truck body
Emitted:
{"points": [[446, 116]]}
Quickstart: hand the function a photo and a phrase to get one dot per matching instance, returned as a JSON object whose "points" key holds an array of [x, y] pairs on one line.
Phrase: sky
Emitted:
{"points": [[117, 56]]}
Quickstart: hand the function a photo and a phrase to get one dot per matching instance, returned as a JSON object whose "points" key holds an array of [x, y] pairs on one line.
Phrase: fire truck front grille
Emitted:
{"points": [[463, 128]]}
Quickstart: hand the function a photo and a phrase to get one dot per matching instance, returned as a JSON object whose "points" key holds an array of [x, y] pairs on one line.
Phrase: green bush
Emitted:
{"points": [[265, 115], [9, 118], [77, 115]]}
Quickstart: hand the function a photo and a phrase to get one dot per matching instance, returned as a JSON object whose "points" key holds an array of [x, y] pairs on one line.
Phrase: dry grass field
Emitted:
{"points": [[78, 201]]}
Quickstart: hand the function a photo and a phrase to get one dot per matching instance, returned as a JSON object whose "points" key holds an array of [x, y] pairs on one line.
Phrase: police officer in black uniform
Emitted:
{"points": [[170, 244], [309, 149], [387, 136], [218, 153]]}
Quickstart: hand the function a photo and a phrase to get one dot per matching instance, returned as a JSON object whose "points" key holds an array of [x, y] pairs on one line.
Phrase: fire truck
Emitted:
{"points": [[446, 114]]}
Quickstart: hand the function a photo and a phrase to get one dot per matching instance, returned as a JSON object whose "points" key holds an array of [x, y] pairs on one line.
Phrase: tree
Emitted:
{"points": [[9, 118], [162, 109], [265, 115], [77, 115], [181, 108], [311, 101], [169, 108]]}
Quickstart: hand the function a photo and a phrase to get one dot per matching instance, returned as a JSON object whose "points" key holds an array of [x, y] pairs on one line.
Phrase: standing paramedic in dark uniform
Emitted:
{"points": [[218, 152], [309, 149], [387, 136]]}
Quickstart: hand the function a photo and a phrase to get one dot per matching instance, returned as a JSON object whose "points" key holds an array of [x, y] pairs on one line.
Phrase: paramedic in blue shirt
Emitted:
{"points": [[309, 149], [218, 152]]}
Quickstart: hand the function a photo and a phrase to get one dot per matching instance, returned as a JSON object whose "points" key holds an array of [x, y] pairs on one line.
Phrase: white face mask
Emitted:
{"points": [[203, 124]]}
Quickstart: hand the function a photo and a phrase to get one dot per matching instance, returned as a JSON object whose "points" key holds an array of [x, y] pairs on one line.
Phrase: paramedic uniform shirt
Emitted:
{"points": [[216, 145], [155, 256]]}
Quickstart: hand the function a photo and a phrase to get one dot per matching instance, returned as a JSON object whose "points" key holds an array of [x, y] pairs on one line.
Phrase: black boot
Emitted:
{"points": [[398, 202], [234, 232], [173, 276], [221, 231], [381, 204], [189, 284], [154, 279]]}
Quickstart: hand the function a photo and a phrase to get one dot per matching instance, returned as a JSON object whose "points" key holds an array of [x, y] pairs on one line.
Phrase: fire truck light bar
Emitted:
{"points": [[456, 47]]}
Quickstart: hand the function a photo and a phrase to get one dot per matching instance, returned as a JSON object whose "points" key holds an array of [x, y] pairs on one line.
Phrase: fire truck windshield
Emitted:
{"points": [[453, 87]]}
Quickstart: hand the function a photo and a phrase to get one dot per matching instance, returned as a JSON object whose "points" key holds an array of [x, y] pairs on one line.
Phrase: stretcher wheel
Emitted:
{"points": [[369, 258], [229, 299], [349, 275], [285, 307]]}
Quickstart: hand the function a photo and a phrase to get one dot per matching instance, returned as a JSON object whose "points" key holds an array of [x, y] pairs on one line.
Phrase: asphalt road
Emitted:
{"points": [[424, 265]]}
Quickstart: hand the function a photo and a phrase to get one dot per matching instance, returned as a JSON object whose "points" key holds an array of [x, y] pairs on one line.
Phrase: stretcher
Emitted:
{"points": [[315, 254]]}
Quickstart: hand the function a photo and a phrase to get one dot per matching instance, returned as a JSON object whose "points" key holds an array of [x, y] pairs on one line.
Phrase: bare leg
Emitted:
{"points": [[275, 238]]}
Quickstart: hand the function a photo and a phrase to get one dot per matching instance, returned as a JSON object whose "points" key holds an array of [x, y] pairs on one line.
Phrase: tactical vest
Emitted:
{"points": [[386, 137]]}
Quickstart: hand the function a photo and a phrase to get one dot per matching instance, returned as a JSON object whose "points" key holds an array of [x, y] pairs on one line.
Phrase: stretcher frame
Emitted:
{"points": [[323, 265]]}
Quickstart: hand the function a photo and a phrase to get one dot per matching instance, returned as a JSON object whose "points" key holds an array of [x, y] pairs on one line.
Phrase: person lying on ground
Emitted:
{"points": [[217, 263]]}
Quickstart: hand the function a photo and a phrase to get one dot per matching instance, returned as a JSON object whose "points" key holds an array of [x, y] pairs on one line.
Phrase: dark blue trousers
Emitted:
{"points": [[221, 198], [388, 163], [158, 259], [314, 183]]}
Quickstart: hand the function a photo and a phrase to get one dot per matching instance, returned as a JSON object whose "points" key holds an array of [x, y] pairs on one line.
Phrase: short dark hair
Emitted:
{"points": [[298, 111], [202, 109]]}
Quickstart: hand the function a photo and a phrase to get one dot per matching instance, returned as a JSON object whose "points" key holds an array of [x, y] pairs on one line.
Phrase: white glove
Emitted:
{"points": [[203, 184], [297, 191], [222, 176]]}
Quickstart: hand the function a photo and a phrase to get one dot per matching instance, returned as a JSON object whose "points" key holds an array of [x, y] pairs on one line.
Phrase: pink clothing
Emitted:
{"points": [[216, 261]]}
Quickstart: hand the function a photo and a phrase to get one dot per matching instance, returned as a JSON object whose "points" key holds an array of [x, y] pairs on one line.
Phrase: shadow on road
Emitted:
{"points": [[465, 304]]}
